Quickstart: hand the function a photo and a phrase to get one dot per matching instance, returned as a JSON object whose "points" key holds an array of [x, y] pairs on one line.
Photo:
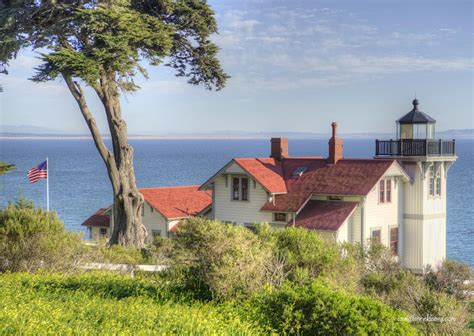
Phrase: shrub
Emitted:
{"points": [[314, 309], [219, 261], [32, 238], [435, 313], [431, 312], [449, 278], [117, 254], [304, 255]]}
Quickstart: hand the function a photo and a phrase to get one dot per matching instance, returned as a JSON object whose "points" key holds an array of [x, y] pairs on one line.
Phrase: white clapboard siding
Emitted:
{"points": [[342, 235], [95, 233], [354, 236], [382, 215], [424, 226], [239, 211], [153, 220]]}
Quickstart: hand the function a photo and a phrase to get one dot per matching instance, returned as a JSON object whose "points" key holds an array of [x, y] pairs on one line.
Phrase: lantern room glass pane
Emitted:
{"points": [[406, 131], [431, 131], [419, 131]]}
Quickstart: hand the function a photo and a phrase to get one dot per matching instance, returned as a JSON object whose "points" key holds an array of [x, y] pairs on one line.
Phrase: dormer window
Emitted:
{"points": [[299, 171], [240, 189]]}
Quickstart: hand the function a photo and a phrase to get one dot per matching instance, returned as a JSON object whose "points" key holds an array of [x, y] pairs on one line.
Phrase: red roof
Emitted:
{"points": [[267, 171], [178, 202], [346, 177], [99, 219], [324, 215]]}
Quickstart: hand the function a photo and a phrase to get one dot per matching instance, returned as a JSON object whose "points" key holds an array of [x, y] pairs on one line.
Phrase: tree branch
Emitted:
{"points": [[104, 152]]}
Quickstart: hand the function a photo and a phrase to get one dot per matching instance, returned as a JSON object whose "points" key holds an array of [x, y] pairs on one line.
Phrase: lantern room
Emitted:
{"points": [[415, 138], [416, 124]]}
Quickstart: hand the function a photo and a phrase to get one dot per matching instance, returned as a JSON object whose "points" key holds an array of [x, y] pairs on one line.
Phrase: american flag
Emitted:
{"points": [[37, 173]]}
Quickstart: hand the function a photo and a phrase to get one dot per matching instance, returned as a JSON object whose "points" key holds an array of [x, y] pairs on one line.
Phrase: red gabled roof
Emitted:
{"points": [[99, 219], [324, 215], [347, 177], [178, 202], [267, 171]]}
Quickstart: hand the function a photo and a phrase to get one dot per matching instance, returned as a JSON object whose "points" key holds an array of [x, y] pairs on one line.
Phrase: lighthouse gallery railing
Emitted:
{"points": [[415, 147]]}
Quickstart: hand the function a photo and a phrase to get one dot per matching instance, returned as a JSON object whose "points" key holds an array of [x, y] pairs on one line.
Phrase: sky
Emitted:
{"points": [[295, 66]]}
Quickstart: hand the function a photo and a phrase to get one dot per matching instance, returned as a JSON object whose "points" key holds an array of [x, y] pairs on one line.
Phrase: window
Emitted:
{"points": [[251, 227], [245, 189], [382, 191], [375, 235], [438, 184], [431, 180], [235, 188], [385, 191], [388, 190], [103, 231], [394, 240], [434, 187], [279, 217], [299, 171], [240, 189]]}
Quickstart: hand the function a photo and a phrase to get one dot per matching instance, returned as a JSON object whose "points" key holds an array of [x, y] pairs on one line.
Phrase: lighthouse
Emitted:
{"points": [[426, 160]]}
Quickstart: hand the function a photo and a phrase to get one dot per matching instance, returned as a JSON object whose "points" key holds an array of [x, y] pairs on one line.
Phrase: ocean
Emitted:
{"points": [[79, 183]]}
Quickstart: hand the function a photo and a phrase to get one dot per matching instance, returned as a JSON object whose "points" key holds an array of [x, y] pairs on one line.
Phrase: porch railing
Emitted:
{"points": [[415, 147]]}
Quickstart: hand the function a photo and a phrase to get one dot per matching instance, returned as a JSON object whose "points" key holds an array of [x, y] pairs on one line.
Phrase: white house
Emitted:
{"points": [[161, 213], [398, 197]]}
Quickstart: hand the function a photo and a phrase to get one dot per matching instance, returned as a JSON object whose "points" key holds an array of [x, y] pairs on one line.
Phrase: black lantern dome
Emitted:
{"points": [[416, 124]]}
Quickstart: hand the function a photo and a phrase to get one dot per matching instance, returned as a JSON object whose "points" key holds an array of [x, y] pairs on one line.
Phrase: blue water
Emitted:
{"points": [[79, 183]]}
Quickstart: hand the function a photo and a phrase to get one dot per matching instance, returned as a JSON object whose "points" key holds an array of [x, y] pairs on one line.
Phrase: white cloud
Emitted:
{"points": [[235, 19], [293, 48]]}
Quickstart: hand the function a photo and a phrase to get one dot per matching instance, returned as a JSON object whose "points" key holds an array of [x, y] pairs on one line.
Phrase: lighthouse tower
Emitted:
{"points": [[426, 160]]}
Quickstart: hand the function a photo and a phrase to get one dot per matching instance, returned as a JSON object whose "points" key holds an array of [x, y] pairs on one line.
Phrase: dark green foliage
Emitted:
{"points": [[85, 38], [5, 167], [315, 309]]}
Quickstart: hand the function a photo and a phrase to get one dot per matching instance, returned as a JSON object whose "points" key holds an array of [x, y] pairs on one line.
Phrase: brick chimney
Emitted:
{"points": [[336, 146], [279, 148]]}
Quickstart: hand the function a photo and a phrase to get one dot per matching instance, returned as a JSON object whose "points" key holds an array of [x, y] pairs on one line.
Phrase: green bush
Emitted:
{"points": [[304, 255], [315, 309], [41, 304], [32, 238], [117, 254], [433, 310], [449, 278], [219, 261]]}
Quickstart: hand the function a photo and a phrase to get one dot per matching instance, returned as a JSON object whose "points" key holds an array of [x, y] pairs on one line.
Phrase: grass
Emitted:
{"points": [[93, 304]]}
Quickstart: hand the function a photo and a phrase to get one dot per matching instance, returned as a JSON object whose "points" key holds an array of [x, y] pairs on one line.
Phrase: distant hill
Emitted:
{"points": [[27, 131]]}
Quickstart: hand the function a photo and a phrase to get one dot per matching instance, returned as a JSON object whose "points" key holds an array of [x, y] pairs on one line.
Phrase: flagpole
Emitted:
{"points": [[47, 185]]}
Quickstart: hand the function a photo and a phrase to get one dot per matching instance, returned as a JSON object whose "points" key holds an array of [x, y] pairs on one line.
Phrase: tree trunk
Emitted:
{"points": [[128, 202], [128, 229]]}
